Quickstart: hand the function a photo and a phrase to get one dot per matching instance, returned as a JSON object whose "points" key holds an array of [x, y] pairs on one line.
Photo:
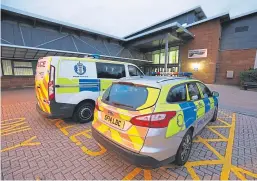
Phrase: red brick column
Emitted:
{"points": [[206, 37]]}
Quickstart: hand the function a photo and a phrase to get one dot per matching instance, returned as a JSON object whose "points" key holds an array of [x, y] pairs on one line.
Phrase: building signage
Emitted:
{"points": [[198, 53]]}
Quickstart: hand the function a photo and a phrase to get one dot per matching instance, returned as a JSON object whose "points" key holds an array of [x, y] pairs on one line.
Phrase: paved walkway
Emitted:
{"points": [[36, 148], [237, 100]]}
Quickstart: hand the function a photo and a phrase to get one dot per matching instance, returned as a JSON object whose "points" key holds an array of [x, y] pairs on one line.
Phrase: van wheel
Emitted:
{"points": [[184, 149], [84, 112], [214, 118]]}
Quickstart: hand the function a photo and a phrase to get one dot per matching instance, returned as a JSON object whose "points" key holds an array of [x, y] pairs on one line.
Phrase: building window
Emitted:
{"points": [[22, 68], [241, 29], [17, 68], [155, 58], [158, 56], [7, 67]]}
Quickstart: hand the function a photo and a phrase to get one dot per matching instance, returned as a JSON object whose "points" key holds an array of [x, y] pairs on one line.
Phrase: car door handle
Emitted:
{"points": [[38, 87]]}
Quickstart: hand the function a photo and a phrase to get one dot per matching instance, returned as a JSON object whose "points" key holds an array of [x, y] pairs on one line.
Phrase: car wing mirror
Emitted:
{"points": [[215, 94], [195, 97]]}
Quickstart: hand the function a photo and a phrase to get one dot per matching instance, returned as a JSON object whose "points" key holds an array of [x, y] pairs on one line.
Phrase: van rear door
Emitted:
{"points": [[41, 83]]}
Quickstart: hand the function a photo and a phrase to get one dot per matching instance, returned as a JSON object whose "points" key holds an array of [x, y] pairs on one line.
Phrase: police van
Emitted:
{"points": [[68, 87]]}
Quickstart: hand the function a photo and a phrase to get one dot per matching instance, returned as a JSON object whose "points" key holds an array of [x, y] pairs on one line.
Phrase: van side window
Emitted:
{"points": [[177, 94], [110, 70], [134, 71], [205, 90], [193, 90]]}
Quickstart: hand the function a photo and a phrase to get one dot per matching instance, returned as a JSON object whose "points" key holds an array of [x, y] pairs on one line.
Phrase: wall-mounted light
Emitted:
{"points": [[196, 66]]}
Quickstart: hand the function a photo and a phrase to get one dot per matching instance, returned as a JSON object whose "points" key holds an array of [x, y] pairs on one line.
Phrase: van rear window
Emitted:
{"points": [[130, 97]]}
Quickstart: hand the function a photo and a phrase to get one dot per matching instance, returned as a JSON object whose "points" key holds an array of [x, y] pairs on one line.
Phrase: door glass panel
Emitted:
{"points": [[205, 90], [193, 90]]}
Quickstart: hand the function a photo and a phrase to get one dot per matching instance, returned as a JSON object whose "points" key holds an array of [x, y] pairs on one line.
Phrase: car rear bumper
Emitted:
{"points": [[137, 159]]}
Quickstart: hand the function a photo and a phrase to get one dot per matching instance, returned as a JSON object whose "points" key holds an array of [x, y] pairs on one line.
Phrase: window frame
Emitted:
{"points": [[12, 64], [173, 87], [109, 64], [200, 91], [202, 95], [137, 69]]}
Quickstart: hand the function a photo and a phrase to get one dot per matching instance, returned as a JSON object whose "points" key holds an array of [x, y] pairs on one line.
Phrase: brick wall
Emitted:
{"points": [[16, 82], [206, 37], [235, 60]]}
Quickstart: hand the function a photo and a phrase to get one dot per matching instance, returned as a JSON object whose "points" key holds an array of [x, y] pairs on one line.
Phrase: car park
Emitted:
{"points": [[68, 86], [151, 121]]}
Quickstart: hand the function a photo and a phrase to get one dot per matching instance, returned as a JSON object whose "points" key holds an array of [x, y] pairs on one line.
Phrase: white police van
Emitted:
{"points": [[68, 87]]}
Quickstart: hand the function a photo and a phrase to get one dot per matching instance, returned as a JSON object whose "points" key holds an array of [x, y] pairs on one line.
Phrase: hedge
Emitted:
{"points": [[249, 76]]}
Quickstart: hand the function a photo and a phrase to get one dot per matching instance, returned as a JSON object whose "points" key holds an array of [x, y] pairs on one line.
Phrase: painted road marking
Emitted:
{"points": [[225, 161], [12, 126], [24, 143], [136, 171], [63, 127]]}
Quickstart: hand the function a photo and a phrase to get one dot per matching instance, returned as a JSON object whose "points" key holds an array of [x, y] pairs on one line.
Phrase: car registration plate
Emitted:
{"points": [[114, 121]]}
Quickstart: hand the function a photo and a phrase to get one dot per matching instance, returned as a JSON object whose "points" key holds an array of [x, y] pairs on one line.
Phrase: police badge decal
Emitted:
{"points": [[80, 69]]}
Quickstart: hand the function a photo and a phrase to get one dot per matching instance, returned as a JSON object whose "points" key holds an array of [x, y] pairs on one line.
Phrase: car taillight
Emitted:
{"points": [[155, 120], [97, 105], [51, 84]]}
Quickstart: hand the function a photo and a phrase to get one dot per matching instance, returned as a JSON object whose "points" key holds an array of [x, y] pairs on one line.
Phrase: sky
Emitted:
{"points": [[123, 17]]}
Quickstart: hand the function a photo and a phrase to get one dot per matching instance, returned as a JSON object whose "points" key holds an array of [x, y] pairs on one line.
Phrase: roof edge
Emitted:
{"points": [[222, 15], [244, 14], [35, 16], [192, 9], [71, 52]]}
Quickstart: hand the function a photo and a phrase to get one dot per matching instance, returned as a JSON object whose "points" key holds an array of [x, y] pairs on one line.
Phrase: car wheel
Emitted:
{"points": [[214, 118], [84, 112], [184, 149]]}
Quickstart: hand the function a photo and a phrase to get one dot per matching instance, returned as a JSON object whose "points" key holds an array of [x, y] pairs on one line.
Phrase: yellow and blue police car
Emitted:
{"points": [[150, 121]]}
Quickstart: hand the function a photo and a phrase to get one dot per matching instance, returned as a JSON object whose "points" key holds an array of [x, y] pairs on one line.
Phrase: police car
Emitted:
{"points": [[151, 120], [68, 86]]}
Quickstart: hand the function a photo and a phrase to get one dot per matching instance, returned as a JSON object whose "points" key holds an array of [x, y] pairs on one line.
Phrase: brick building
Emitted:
{"points": [[216, 49]]}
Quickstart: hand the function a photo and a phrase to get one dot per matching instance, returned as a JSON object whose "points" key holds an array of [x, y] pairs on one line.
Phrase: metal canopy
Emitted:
{"points": [[30, 53], [154, 39]]}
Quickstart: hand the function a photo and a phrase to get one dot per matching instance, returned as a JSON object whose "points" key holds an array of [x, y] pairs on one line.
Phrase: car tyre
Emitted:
{"points": [[214, 118], [84, 112], [184, 149]]}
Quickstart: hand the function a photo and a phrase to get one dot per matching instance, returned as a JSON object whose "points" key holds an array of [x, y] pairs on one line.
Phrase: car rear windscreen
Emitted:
{"points": [[130, 97]]}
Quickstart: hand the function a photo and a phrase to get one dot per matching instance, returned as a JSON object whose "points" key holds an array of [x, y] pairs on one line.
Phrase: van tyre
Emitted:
{"points": [[214, 118], [184, 149], [84, 112]]}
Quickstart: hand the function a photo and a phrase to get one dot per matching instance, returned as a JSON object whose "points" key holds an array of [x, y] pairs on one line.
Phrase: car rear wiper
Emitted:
{"points": [[119, 104]]}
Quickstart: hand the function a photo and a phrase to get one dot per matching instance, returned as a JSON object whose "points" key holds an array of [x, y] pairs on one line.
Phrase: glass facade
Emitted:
{"points": [[158, 56], [18, 68]]}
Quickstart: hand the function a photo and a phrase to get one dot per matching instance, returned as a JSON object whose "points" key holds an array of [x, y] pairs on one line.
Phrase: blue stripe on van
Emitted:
{"points": [[92, 85]]}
